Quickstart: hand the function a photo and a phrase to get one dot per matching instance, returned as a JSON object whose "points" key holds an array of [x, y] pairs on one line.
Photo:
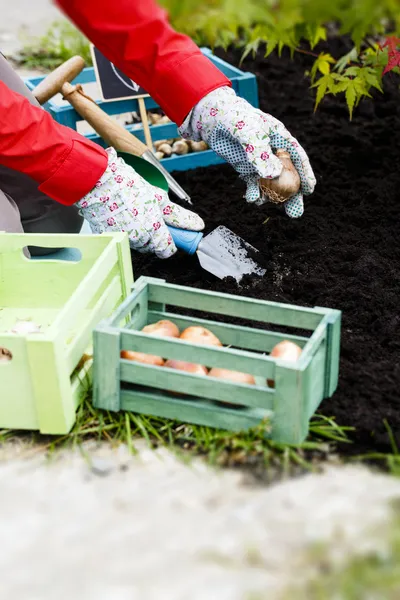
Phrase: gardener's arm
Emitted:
{"points": [[72, 170], [65, 164], [135, 35]]}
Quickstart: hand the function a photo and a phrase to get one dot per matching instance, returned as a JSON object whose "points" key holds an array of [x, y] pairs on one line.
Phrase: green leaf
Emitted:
{"points": [[271, 45], [322, 64], [314, 34], [324, 67], [323, 86], [341, 86], [342, 62], [352, 71], [351, 96]]}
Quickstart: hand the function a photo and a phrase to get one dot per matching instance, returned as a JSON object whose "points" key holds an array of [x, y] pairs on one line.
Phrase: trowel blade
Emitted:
{"points": [[225, 254]]}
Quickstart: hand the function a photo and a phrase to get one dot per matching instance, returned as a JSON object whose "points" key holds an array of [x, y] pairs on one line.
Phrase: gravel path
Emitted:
{"points": [[24, 17], [109, 526]]}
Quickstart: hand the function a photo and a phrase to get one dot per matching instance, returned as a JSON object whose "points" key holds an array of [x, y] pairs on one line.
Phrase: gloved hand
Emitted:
{"points": [[123, 201], [246, 137]]}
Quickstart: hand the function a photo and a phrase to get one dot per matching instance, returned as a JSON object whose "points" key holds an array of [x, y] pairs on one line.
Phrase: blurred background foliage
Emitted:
{"points": [[372, 26]]}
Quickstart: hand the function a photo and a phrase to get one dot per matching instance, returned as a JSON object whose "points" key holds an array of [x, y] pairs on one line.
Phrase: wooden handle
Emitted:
{"points": [[112, 133], [51, 85]]}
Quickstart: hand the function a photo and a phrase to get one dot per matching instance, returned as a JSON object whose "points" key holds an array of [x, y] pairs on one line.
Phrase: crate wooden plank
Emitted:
{"points": [[106, 303], [236, 306], [196, 385], [86, 290], [231, 335], [291, 422], [226, 358], [333, 352], [50, 379], [197, 411], [106, 371], [315, 380], [135, 303]]}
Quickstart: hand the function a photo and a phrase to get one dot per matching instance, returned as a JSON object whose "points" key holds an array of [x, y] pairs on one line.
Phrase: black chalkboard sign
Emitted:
{"points": [[114, 85]]}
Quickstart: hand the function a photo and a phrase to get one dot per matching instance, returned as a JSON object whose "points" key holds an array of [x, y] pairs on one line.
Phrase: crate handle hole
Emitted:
{"points": [[5, 355], [46, 254]]}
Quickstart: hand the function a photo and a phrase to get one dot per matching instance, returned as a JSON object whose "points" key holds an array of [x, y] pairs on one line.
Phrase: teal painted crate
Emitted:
{"points": [[245, 85], [299, 387], [41, 386]]}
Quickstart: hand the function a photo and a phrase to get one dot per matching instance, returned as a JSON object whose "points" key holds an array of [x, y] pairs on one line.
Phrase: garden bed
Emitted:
{"points": [[343, 253]]}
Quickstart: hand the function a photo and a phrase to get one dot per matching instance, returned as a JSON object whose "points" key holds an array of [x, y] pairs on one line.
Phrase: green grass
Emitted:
{"points": [[250, 449], [61, 41], [390, 460], [374, 576]]}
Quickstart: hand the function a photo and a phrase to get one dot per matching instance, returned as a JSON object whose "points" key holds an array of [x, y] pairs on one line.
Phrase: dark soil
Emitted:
{"points": [[343, 253]]}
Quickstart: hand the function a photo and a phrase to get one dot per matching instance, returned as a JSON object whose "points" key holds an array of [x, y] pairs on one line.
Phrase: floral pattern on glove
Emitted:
{"points": [[123, 201], [246, 138]]}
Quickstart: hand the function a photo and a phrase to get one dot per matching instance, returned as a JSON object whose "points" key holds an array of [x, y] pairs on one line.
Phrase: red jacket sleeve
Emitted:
{"points": [[64, 163], [135, 36]]}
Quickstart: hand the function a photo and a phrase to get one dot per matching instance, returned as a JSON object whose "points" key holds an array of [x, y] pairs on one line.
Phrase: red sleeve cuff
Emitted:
{"points": [[78, 173], [184, 84]]}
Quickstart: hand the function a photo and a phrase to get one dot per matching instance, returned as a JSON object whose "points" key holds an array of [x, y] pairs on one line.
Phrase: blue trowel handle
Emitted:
{"points": [[185, 240]]}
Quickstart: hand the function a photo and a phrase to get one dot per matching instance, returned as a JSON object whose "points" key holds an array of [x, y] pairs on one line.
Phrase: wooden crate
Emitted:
{"points": [[41, 386], [244, 84], [299, 387]]}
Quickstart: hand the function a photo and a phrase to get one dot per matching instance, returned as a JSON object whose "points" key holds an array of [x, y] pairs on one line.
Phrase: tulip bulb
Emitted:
{"points": [[165, 149], [287, 351], [5, 354], [281, 188], [180, 147]]}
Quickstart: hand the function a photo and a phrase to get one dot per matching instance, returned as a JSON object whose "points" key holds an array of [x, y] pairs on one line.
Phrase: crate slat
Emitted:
{"points": [[197, 411], [235, 306], [210, 356], [164, 378], [108, 300]]}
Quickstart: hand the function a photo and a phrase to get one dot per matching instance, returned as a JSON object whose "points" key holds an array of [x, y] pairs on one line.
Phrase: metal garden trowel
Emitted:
{"points": [[221, 252]]}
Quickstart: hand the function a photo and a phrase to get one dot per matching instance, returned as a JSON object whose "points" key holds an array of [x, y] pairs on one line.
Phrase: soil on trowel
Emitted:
{"points": [[343, 253]]}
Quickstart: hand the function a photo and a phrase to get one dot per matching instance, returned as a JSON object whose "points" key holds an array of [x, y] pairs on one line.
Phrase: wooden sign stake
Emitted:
{"points": [[145, 121]]}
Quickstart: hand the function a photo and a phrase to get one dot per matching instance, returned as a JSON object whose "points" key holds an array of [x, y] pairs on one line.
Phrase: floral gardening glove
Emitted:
{"points": [[246, 137], [123, 201]]}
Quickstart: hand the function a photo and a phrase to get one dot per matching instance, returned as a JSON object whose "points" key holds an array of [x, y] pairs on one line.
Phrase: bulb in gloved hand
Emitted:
{"points": [[281, 188]]}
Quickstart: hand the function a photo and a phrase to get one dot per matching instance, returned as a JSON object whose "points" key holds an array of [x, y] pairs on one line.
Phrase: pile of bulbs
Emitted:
{"points": [[173, 146], [285, 350], [178, 146]]}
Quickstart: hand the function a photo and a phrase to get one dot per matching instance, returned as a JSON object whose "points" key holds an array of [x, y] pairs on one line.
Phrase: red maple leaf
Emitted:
{"points": [[394, 61], [391, 44]]}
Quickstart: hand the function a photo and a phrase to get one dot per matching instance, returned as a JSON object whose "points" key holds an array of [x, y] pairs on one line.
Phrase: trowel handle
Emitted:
{"points": [[109, 129], [51, 85], [185, 240]]}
